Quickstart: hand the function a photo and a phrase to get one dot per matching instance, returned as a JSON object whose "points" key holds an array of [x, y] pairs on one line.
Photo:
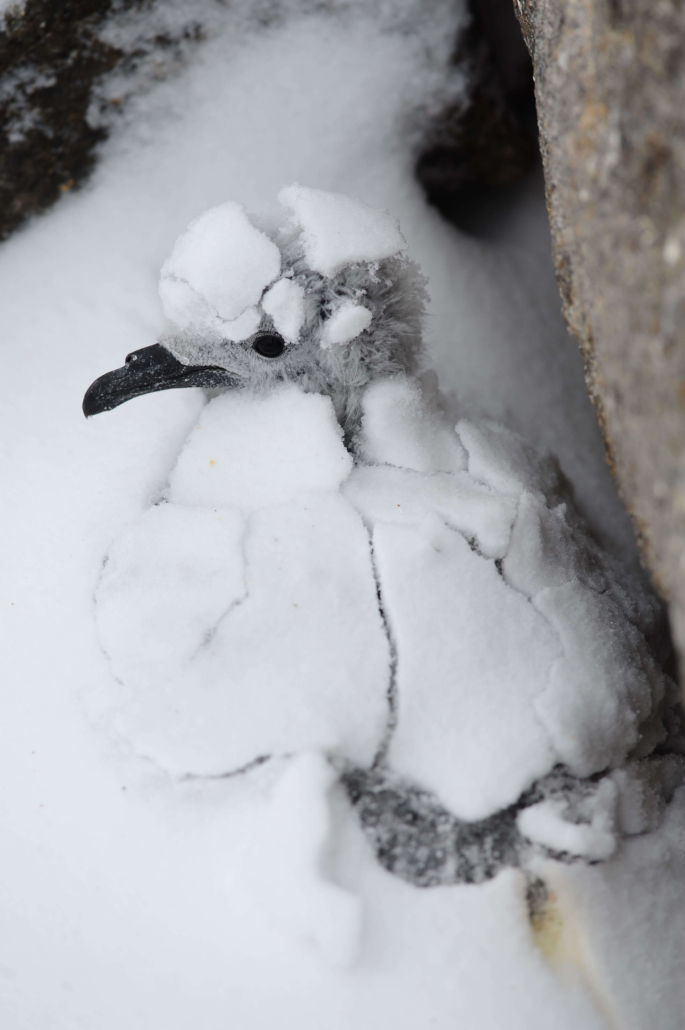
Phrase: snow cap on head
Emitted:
{"points": [[284, 301], [339, 231], [216, 273]]}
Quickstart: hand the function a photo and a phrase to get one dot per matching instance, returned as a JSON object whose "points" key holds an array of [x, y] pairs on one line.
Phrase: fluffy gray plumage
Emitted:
{"points": [[393, 290]]}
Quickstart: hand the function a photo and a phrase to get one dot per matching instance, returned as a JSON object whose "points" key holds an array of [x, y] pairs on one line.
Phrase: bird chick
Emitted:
{"points": [[442, 626], [329, 301]]}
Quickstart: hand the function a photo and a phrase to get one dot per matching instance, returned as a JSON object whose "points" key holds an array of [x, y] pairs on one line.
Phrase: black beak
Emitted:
{"points": [[147, 371]]}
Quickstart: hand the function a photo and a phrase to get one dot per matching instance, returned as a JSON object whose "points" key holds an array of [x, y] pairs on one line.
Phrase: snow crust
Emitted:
{"points": [[285, 303], [339, 231], [595, 838], [214, 278], [400, 495], [252, 451], [346, 323], [466, 727], [400, 427], [287, 651]]}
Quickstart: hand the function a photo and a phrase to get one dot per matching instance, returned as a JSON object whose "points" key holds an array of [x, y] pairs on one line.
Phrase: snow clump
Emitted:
{"points": [[345, 324], [339, 231], [217, 271], [285, 303]]}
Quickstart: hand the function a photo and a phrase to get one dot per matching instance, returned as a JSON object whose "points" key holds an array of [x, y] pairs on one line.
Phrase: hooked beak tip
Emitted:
{"points": [[150, 370]]}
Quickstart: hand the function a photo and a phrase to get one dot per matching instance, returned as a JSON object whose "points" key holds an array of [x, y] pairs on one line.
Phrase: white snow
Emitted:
{"points": [[506, 462], [339, 231], [545, 553], [298, 661], [285, 303], [285, 650], [251, 451], [399, 427], [545, 823], [216, 273], [301, 900], [605, 685], [161, 586], [626, 919], [466, 728], [346, 323], [383, 494]]}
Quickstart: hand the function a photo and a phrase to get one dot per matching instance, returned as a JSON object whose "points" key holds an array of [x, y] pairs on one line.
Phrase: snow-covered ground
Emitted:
{"points": [[132, 898]]}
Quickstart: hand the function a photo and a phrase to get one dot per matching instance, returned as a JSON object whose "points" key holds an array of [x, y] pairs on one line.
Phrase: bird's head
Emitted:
{"points": [[329, 301]]}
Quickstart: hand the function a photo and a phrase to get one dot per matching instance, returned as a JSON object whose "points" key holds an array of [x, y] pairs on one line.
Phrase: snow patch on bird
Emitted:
{"points": [[253, 450], [339, 231], [466, 726], [401, 427], [284, 301], [290, 656], [145, 601], [586, 829], [217, 271], [345, 324], [403, 496]]}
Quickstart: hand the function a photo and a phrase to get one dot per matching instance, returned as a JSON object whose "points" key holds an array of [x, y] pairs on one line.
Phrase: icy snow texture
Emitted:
{"points": [[254, 451], [399, 428], [291, 654], [407, 497], [216, 273], [339, 231], [122, 895], [347, 322], [472, 658], [304, 903], [594, 839], [499, 676], [285, 303]]}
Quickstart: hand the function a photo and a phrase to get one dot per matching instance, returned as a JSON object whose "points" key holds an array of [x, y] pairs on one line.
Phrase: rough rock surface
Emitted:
{"points": [[52, 60], [610, 90], [49, 56]]}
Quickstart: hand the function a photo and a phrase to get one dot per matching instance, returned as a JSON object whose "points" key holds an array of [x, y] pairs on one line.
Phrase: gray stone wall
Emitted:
{"points": [[610, 92]]}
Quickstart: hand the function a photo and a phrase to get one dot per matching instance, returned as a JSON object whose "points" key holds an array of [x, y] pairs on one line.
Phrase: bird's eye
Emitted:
{"points": [[270, 345]]}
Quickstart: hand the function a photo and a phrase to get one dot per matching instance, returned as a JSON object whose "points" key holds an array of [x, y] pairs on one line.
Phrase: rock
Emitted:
{"points": [[610, 91], [54, 58], [49, 55]]}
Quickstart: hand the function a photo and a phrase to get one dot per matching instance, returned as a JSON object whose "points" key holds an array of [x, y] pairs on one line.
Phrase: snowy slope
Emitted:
{"points": [[123, 890]]}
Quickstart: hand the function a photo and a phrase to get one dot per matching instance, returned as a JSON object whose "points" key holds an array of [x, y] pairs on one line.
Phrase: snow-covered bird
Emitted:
{"points": [[335, 569]]}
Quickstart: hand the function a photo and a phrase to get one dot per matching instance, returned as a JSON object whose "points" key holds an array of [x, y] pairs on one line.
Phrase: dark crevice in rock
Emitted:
{"points": [[476, 151]]}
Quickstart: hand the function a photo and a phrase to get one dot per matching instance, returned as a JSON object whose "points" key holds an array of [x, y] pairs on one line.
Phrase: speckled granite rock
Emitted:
{"points": [[49, 56], [53, 59], [610, 90]]}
